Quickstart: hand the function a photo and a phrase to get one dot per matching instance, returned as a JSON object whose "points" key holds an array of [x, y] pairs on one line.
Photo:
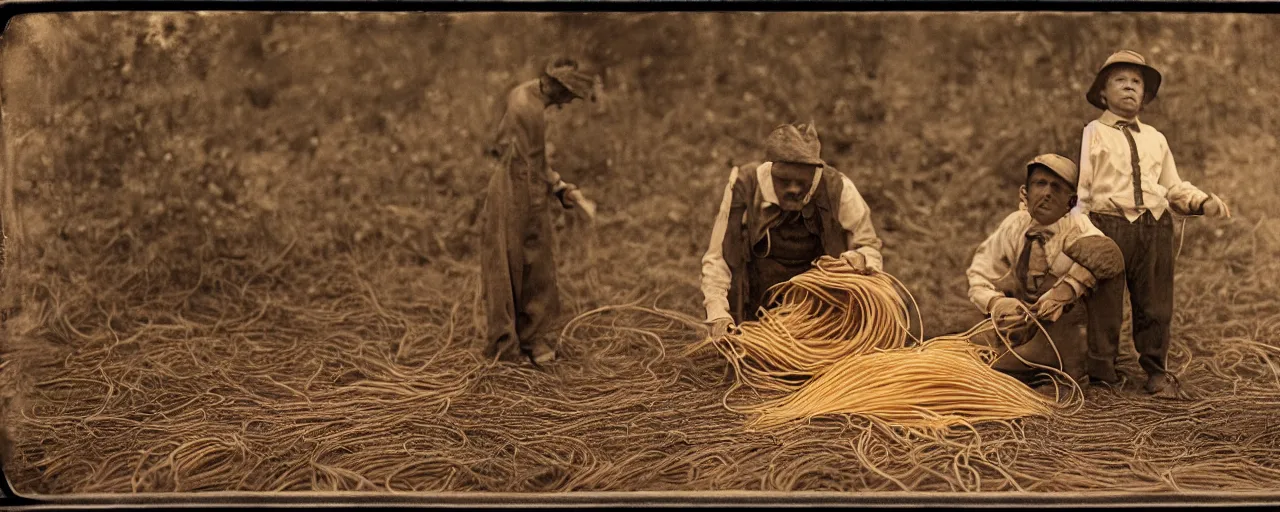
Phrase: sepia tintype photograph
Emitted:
{"points": [[690, 254]]}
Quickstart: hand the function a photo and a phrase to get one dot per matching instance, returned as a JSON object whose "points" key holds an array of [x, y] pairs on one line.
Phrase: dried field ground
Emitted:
{"points": [[241, 258]]}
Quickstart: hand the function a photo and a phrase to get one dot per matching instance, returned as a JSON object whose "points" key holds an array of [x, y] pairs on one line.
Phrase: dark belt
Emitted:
{"points": [[1147, 218]]}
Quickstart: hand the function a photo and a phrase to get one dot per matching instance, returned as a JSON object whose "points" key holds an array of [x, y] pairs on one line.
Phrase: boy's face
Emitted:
{"points": [[1049, 197], [1123, 91], [791, 183]]}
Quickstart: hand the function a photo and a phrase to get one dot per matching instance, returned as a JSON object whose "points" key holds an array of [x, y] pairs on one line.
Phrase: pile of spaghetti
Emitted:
{"points": [[835, 342], [821, 316]]}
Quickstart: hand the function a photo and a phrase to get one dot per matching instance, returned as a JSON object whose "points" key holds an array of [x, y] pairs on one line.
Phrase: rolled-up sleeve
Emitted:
{"points": [[716, 277], [860, 234], [992, 261], [1168, 169], [1184, 198]]}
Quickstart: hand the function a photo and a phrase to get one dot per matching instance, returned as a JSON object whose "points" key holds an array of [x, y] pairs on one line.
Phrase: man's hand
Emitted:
{"points": [[562, 191], [1012, 321], [1214, 206], [570, 195], [720, 327], [1008, 313], [857, 261], [1050, 305], [577, 198]]}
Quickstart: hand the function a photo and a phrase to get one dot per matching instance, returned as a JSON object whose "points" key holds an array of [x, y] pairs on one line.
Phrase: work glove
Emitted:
{"points": [[1214, 206], [1007, 312], [1011, 320], [857, 261], [720, 327], [1051, 305]]}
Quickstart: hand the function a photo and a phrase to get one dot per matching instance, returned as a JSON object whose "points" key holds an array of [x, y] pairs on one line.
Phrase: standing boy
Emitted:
{"points": [[1128, 186]]}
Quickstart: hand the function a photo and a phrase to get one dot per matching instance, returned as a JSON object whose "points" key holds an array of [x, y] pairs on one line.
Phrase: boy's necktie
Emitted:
{"points": [[1032, 263], [1037, 263], [1133, 160]]}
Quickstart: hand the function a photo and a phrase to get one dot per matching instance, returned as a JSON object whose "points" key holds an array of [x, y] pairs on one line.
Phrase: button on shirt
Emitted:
{"points": [[1106, 172]]}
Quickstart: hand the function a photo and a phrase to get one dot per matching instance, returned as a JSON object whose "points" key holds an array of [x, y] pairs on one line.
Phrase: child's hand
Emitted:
{"points": [[1214, 206]]}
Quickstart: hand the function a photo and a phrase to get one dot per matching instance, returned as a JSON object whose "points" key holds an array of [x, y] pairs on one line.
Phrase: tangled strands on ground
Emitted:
{"points": [[856, 362], [1130, 441], [928, 396], [8, 388], [938, 385], [1218, 432], [703, 452], [822, 316], [234, 386], [307, 410], [204, 398]]}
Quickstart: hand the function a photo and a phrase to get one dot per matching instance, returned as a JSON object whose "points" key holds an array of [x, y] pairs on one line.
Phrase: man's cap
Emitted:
{"points": [[796, 143], [1057, 164]]}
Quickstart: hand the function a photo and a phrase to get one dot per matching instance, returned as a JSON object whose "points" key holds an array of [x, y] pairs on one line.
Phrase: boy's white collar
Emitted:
{"points": [[1110, 118]]}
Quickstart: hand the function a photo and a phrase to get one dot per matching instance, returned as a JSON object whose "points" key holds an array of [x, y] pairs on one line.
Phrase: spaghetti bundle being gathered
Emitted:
{"points": [[821, 316], [945, 382]]}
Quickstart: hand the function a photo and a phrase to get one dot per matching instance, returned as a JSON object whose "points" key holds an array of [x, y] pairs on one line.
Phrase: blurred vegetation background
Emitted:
{"points": [[165, 138], [165, 172]]}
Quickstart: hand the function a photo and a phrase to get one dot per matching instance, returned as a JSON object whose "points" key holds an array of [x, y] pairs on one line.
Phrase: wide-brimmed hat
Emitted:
{"points": [[794, 143], [1150, 77], [1058, 164], [566, 71]]}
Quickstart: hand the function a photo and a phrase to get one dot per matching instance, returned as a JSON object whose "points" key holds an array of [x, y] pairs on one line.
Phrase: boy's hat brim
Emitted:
{"points": [[1150, 77], [1059, 165]]}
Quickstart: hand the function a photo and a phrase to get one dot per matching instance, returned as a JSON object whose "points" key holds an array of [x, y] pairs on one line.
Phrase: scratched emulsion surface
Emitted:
{"points": [[243, 251]]}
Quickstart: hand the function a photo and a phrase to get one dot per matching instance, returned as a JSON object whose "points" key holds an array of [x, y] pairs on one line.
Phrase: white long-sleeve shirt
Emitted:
{"points": [[1106, 172], [997, 256], [853, 214]]}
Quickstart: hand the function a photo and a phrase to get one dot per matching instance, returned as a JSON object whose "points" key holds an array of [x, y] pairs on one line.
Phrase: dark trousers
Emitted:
{"points": [[517, 267], [1147, 246], [1075, 347]]}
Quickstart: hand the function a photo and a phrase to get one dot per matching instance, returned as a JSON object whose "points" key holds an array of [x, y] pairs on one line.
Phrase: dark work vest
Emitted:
{"points": [[760, 255]]}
